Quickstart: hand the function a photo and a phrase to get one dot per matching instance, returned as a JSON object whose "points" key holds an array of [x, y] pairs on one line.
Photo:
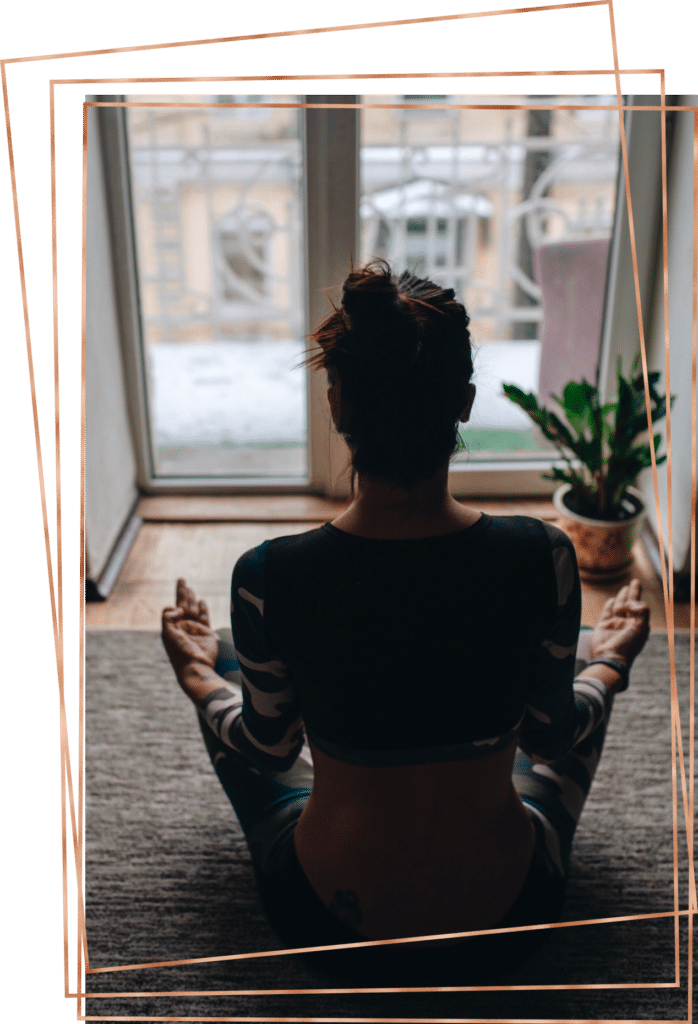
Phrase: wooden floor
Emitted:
{"points": [[200, 538]]}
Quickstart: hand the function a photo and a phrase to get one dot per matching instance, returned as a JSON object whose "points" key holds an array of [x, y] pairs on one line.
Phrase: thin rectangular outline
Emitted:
{"points": [[521, 107], [394, 23], [279, 35], [296, 104], [364, 106], [196, 104]]}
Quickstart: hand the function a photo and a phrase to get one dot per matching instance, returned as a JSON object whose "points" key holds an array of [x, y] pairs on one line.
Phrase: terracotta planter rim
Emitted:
{"points": [[618, 524]]}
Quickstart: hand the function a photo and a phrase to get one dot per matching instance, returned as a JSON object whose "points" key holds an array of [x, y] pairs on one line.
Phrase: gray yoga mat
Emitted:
{"points": [[168, 876]]}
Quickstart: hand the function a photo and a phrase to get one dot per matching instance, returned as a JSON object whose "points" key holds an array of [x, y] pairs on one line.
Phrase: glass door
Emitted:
{"points": [[216, 192], [513, 209]]}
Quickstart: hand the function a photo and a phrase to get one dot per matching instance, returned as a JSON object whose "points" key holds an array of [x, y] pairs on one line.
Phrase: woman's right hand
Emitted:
{"points": [[187, 600], [191, 644], [624, 626], [187, 640]]}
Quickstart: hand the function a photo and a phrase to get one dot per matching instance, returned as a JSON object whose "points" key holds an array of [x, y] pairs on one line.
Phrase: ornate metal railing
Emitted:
{"points": [[467, 213], [460, 215]]}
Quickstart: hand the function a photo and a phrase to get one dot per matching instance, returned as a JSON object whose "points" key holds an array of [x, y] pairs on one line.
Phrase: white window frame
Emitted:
{"points": [[331, 144]]}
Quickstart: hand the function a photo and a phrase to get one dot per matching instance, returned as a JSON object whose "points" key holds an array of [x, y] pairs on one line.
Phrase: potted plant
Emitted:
{"points": [[603, 453]]}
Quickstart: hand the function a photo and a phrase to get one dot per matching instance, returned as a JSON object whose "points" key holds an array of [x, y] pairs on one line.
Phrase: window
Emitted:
{"points": [[249, 113], [500, 205], [222, 199], [217, 217]]}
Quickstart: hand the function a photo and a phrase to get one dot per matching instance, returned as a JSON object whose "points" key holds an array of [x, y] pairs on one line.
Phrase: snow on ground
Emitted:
{"points": [[228, 392], [509, 362], [253, 392]]}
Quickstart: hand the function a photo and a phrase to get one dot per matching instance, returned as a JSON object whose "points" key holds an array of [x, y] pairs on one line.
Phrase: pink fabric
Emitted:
{"points": [[572, 277]]}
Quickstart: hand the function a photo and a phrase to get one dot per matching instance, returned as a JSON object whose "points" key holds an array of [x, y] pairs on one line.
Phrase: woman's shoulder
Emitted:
{"points": [[556, 536], [534, 546], [525, 530], [253, 561], [528, 526], [564, 560]]}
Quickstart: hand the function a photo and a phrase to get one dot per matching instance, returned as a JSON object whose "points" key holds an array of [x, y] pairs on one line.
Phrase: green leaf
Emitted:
{"points": [[524, 399], [562, 431], [625, 409], [579, 396], [580, 402], [602, 438], [561, 475], [589, 452]]}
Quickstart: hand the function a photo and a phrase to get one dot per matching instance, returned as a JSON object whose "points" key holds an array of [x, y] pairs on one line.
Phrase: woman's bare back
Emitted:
{"points": [[415, 849]]}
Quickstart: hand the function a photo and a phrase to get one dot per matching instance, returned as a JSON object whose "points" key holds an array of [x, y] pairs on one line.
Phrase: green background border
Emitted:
{"points": [[34, 982]]}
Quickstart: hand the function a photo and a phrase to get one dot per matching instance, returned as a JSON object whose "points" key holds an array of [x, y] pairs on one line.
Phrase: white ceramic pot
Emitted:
{"points": [[604, 547]]}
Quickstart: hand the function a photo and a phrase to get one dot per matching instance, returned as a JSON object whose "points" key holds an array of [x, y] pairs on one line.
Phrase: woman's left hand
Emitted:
{"points": [[623, 627]]}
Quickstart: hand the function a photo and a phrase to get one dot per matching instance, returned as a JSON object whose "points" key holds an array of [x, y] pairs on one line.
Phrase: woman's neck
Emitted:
{"points": [[387, 511]]}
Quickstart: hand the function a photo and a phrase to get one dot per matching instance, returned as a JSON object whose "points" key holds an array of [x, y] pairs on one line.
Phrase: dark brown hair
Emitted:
{"points": [[397, 352]]}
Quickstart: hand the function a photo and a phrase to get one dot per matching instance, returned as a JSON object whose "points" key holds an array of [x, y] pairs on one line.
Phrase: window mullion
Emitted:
{"points": [[332, 242]]}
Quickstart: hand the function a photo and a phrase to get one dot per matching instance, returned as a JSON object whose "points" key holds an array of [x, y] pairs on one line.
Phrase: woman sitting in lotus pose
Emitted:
{"points": [[430, 653]]}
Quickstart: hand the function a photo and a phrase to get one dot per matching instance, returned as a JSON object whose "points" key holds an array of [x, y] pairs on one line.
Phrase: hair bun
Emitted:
{"points": [[421, 288], [370, 292]]}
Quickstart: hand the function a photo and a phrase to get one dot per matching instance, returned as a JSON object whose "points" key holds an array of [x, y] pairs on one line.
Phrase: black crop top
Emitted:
{"points": [[396, 652]]}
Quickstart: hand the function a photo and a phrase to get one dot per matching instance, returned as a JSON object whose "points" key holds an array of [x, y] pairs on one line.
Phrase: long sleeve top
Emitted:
{"points": [[407, 652]]}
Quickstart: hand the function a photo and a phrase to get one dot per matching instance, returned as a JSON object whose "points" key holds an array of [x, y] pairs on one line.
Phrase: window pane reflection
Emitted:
{"points": [[218, 222], [514, 210]]}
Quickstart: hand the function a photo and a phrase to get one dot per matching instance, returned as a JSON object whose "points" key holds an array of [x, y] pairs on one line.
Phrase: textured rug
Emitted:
{"points": [[168, 876]]}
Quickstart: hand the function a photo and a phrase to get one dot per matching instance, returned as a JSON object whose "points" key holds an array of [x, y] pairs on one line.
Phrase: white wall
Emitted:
{"points": [[621, 333], [110, 462], [680, 245]]}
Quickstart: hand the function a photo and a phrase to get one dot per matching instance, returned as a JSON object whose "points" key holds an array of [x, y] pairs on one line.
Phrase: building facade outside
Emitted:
{"points": [[476, 199]]}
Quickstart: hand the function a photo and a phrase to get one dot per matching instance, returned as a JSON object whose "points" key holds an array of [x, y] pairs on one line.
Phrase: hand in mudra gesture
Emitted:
{"points": [[186, 631], [624, 626]]}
